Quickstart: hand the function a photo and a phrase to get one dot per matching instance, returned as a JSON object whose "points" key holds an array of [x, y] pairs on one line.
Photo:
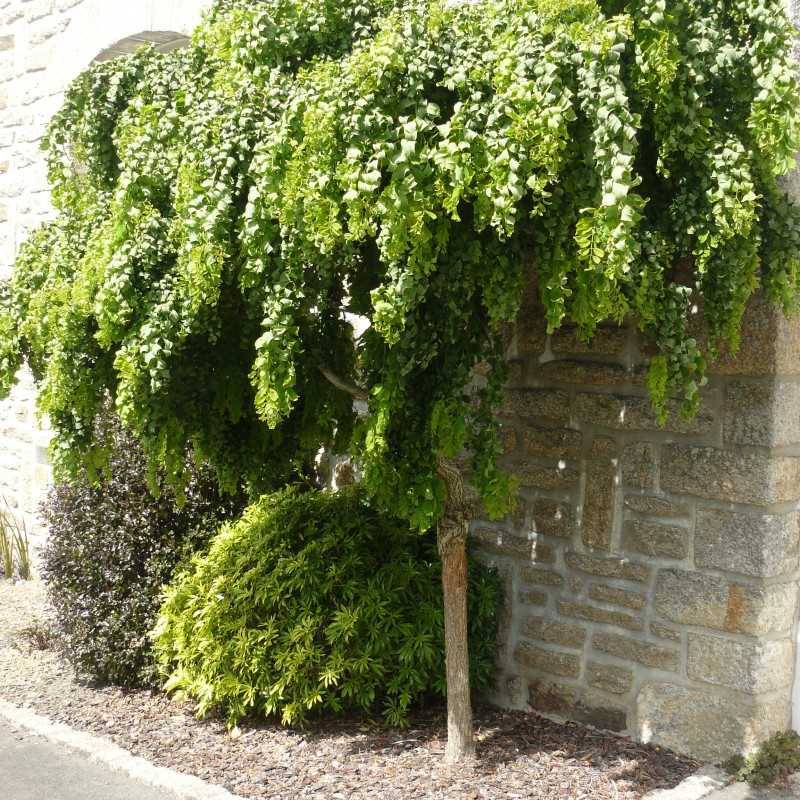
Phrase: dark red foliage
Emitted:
{"points": [[112, 546]]}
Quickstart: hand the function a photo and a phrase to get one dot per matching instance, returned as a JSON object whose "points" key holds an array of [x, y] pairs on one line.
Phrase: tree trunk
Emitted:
{"points": [[453, 550], [452, 538]]}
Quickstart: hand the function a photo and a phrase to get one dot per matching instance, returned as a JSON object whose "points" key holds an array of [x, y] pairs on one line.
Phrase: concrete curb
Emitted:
{"points": [[705, 781], [102, 751]]}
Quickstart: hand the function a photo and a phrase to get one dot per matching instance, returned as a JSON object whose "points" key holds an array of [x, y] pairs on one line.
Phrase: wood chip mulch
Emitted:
{"points": [[520, 755]]}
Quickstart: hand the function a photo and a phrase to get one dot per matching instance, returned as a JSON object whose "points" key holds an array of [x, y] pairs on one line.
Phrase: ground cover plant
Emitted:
{"points": [[775, 759], [312, 602], [112, 547], [225, 211]]}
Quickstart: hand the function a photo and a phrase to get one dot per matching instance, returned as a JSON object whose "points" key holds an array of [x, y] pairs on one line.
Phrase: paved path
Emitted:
{"points": [[32, 768], [741, 791]]}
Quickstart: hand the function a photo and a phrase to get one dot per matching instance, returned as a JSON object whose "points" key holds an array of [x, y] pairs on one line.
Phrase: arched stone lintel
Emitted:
{"points": [[121, 31], [164, 41]]}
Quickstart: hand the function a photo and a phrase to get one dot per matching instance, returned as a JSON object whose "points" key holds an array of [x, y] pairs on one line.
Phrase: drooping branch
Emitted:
{"points": [[353, 389], [461, 498]]}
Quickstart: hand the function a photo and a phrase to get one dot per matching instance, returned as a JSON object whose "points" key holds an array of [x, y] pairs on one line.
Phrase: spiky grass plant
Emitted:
{"points": [[14, 541]]}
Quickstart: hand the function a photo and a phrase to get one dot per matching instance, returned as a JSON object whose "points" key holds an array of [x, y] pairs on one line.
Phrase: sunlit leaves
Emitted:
{"points": [[314, 602], [226, 209]]}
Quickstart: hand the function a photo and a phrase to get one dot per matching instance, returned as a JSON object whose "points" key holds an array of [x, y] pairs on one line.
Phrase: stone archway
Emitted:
{"points": [[164, 41], [102, 29]]}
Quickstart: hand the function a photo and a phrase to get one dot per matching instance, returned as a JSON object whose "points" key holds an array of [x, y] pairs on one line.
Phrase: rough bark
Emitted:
{"points": [[452, 532]]}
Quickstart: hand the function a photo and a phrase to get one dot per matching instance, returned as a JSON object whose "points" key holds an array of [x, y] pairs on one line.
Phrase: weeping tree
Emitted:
{"points": [[224, 212]]}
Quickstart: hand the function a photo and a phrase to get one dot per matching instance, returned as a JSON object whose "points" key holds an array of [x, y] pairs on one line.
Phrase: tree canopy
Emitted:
{"points": [[224, 211]]}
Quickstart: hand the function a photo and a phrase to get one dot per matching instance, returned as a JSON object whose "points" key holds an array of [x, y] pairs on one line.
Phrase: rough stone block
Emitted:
{"points": [[712, 727], [762, 413], [586, 707], [554, 443], [538, 404], [560, 477], [552, 518], [764, 545], [635, 413], [509, 438], [607, 341], [603, 448], [710, 601], [530, 333], [42, 33], [37, 9], [628, 649], [588, 373], [750, 667], [554, 632], [603, 616], [505, 616], [552, 698], [755, 477], [665, 632], [769, 343], [639, 462], [516, 373], [502, 543], [609, 677], [617, 597], [541, 577], [600, 493], [510, 691], [567, 665], [595, 710], [532, 597], [608, 567], [653, 539], [39, 58], [651, 506]]}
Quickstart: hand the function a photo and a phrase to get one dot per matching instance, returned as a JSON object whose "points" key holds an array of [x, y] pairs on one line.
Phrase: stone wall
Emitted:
{"points": [[44, 44], [651, 573]]}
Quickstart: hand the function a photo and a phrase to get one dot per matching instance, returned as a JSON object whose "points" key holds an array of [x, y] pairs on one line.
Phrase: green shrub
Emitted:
{"points": [[775, 759], [112, 546], [315, 602]]}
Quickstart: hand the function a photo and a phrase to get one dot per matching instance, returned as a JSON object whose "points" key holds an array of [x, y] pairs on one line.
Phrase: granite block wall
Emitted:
{"points": [[651, 572]]}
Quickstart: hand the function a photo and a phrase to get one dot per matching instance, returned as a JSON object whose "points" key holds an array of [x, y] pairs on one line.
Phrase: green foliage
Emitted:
{"points": [[111, 548], [223, 209], [315, 602], [6, 548], [14, 544], [775, 759]]}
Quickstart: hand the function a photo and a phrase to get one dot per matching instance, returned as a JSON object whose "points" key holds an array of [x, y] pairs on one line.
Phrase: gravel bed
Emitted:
{"points": [[520, 755]]}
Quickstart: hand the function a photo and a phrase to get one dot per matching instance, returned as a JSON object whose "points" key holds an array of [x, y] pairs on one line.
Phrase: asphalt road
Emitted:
{"points": [[32, 768]]}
